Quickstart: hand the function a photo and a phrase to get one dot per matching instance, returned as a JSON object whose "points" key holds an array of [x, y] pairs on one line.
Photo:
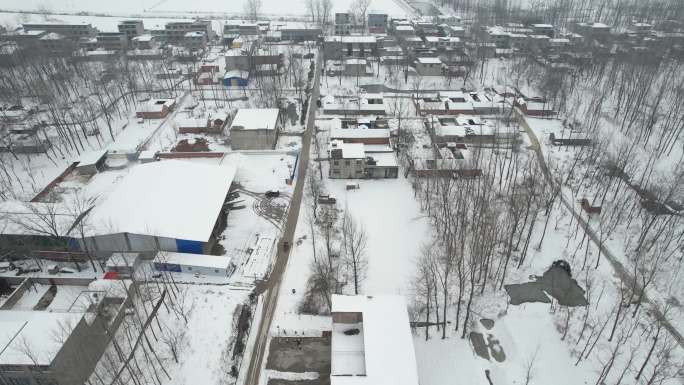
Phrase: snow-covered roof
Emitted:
{"points": [[351, 133], [255, 119], [187, 259], [195, 34], [143, 38], [383, 353], [352, 39], [429, 60], [172, 198], [349, 150], [236, 74], [27, 335], [155, 105], [384, 159], [91, 157], [52, 36], [355, 61], [542, 26]]}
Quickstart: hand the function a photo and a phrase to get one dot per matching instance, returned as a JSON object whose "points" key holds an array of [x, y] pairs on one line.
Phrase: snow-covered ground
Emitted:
{"points": [[171, 8]]}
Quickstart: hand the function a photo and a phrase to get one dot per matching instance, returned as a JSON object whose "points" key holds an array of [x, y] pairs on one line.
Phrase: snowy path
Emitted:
{"points": [[272, 285], [620, 270]]}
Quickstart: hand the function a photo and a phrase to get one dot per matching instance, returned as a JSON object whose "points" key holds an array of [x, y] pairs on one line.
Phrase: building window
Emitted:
{"points": [[215, 270], [347, 163], [336, 162], [189, 267]]}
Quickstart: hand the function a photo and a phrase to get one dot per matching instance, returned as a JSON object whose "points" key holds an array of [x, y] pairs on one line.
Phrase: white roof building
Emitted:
{"points": [[382, 352], [172, 198], [359, 133], [34, 330], [255, 119], [349, 150]]}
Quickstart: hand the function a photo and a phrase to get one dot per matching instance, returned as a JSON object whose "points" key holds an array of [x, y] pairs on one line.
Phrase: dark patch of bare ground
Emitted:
{"points": [[299, 355], [556, 282]]}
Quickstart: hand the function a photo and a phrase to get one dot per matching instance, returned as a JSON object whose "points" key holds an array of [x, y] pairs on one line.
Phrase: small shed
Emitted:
{"points": [[236, 78], [155, 108], [89, 163], [124, 264], [214, 265], [147, 156]]}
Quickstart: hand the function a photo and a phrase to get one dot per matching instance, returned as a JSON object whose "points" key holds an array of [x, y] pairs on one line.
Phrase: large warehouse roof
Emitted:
{"points": [[172, 199], [382, 354], [28, 337]]}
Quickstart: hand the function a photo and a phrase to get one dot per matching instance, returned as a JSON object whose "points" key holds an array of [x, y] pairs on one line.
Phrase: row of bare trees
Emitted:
{"points": [[339, 263]]}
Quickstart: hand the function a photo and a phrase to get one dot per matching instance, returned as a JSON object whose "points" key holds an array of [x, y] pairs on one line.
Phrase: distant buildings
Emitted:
{"points": [[131, 28], [350, 46], [300, 34], [377, 22], [72, 32]]}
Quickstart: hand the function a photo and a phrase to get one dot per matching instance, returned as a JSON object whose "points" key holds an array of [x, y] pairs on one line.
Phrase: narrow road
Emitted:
{"points": [[271, 287], [620, 270]]}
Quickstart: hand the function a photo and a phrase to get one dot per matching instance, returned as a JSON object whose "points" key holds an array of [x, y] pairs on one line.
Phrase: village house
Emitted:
{"points": [[73, 32], [543, 29], [113, 41], [195, 40], [300, 34], [131, 28], [356, 67], [212, 123], [65, 344], [255, 129], [569, 139], [429, 66], [535, 107], [364, 104], [350, 46], [175, 32], [377, 22], [365, 136], [470, 129], [155, 108]]}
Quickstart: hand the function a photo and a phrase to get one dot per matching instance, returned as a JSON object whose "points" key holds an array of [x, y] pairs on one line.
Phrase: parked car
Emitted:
{"points": [[272, 194]]}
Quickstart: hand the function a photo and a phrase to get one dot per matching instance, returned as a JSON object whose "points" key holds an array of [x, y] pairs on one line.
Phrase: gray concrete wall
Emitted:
{"points": [[252, 139], [353, 170]]}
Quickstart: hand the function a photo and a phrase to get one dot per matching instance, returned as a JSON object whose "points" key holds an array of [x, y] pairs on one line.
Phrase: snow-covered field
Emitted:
{"points": [[183, 8]]}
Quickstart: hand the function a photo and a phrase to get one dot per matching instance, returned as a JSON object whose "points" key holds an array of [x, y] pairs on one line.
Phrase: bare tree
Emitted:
{"points": [[354, 241], [252, 9], [531, 366]]}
